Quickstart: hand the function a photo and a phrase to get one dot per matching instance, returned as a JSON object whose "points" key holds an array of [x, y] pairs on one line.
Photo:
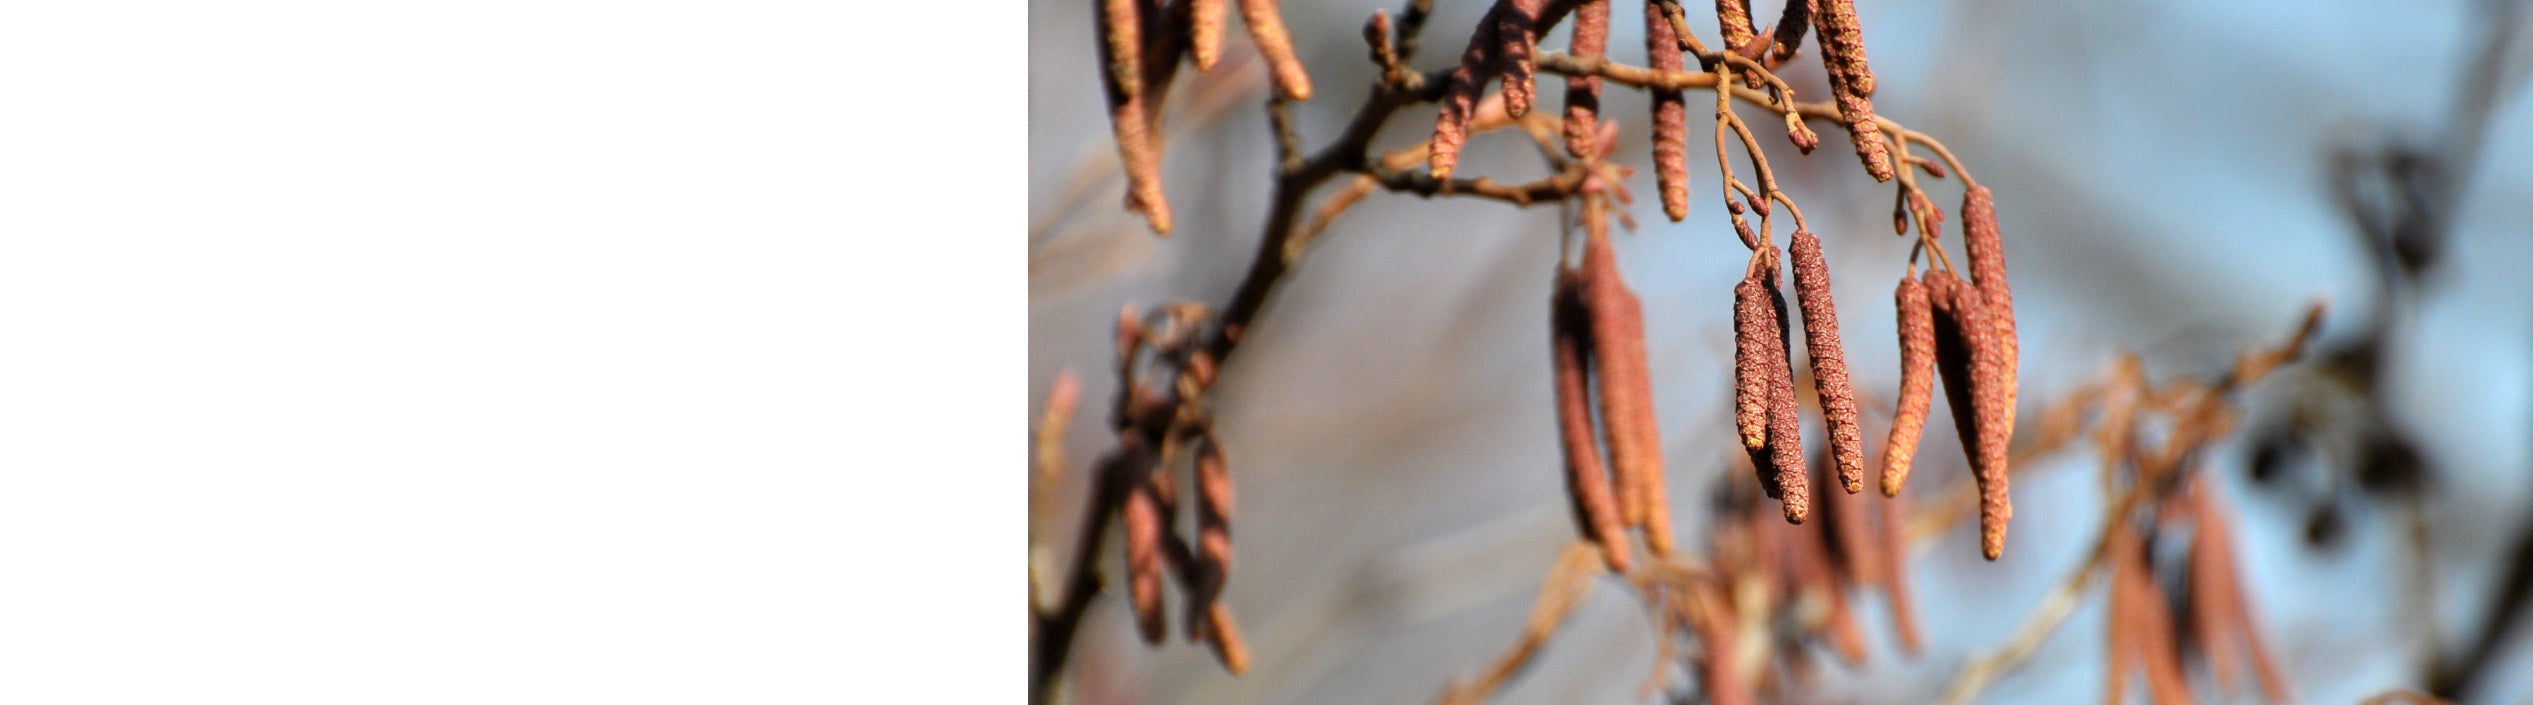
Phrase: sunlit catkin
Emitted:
{"points": [[1917, 383], [1670, 115], [1979, 236], [1966, 355], [1785, 424], [1587, 484], [1121, 51], [1266, 29], [1144, 523], [1842, 41], [1583, 93], [1754, 326], [1205, 31], [1829, 363], [1627, 415]]}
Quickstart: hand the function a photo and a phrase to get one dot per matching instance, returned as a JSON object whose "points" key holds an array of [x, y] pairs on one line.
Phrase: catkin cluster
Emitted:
{"points": [[1141, 43], [1157, 422]]}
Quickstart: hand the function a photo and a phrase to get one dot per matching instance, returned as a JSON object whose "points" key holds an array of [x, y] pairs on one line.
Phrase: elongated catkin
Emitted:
{"points": [[1753, 327], [1144, 523], [1980, 237], [1670, 115], [1829, 363], [1966, 353], [1275, 44], [1587, 484], [1842, 42], [1583, 93], [1121, 51], [1205, 31], [1627, 415], [1917, 383], [1785, 421]]}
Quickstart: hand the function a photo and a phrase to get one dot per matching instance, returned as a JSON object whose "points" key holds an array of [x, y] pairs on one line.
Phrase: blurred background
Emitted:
{"points": [[2175, 179]]}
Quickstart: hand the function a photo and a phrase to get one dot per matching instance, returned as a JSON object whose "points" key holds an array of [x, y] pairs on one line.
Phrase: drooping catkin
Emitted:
{"points": [[1515, 39], [1587, 484], [2150, 639], [1733, 16], [1483, 61], [1275, 44], [1752, 321], [1986, 245], [1917, 382], [1829, 363], [1627, 414], [1205, 31], [1583, 93], [1670, 115], [1785, 421], [1966, 354], [1791, 25], [1214, 499], [1121, 51], [1144, 522], [1842, 42]]}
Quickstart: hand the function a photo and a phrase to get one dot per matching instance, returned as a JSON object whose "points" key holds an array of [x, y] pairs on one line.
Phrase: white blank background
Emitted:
{"points": [[504, 352]]}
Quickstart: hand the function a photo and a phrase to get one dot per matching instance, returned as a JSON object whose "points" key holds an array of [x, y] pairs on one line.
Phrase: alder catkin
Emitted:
{"points": [[1583, 93], [1266, 29], [1966, 353], [1785, 430], [1733, 16], [1842, 42], [1214, 499], [1752, 321], [1144, 523], [1791, 25], [1121, 51], [1917, 381], [1986, 245], [1670, 115], [1829, 363], [1205, 31], [1515, 38], [1627, 415], [1587, 485]]}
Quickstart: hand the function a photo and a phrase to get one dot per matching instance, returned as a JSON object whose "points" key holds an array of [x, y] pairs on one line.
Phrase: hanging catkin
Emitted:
{"points": [[1121, 50], [1842, 43], [1966, 353], [1670, 115], [1829, 364], [1144, 522], [1266, 29], [1785, 425], [1917, 382], [1205, 31], [1583, 93], [1627, 415], [1795, 20], [1587, 485], [1980, 237]]}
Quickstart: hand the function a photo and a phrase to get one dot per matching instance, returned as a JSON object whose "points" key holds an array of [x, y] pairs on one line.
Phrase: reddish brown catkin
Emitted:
{"points": [[1121, 50], [1214, 499], [1266, 29], [1515, 38], [2119, 619], [1842, 42], [1627, 414], [2152, 635], [1144, 524], [1752, 324], [1917, 382], [1986, 246], [1829, 363], [1670, 115], [1480, 63], [1966, 352], [1791, 25], [1733, 16], [1785, 421], [1587, 485], [1583, 94], [1205, 31]]}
